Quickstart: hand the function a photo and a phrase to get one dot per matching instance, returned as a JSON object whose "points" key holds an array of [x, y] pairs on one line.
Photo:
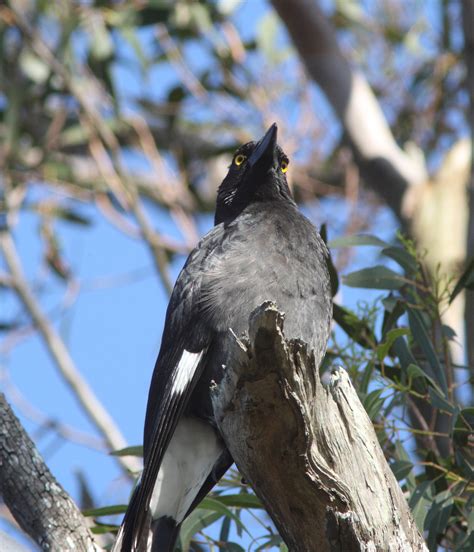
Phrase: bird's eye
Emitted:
{"points": [[239, 159], [284, 166]]}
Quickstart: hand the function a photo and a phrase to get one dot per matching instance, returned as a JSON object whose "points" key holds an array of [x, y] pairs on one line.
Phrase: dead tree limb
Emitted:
{"points": [[36, 500], [310, 452]]}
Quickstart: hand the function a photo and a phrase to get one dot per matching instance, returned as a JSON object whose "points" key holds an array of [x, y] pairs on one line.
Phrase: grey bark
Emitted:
{"points": [[398, 178], [38, 503], [310, 452]]}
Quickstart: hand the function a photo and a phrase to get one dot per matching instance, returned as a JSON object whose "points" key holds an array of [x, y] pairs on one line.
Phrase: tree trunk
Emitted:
{"points": [[36, 500], [399, 177], [310, 452]]}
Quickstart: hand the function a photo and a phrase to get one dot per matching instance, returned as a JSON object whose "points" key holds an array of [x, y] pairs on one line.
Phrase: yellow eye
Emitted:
{"points": [[284, 166], [239, 159]]}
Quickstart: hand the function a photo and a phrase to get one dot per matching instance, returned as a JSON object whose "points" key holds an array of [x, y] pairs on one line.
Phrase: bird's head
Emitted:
{"points": [[256, 174]]}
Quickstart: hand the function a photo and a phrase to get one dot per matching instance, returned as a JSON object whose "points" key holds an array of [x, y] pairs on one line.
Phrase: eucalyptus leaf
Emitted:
{"points": [[198, 520], [401, 468], [465, 281], [419, 502], [402, 257], [216, 505], [356, 328], [377, 277], [105, 511], [392, 335], [420, 335], [360, 240]]}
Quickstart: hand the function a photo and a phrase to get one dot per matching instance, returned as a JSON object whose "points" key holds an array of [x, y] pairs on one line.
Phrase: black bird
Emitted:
{"points": [[261, 248]]}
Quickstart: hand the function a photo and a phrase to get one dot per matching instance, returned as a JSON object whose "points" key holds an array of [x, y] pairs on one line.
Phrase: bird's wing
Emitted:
{"points": [[186, 339]]}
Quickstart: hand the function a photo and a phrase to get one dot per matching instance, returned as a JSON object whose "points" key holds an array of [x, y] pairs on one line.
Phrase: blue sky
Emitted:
{"points": [[114, 331]]}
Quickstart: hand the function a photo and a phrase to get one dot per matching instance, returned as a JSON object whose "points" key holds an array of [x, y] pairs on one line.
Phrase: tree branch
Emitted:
{"points": [[38, 503], [386, 168], [58, 351], [310, 452]]}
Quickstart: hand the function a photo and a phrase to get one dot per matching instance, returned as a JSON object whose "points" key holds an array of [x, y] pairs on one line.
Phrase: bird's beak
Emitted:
{"points": [[264, 154]]}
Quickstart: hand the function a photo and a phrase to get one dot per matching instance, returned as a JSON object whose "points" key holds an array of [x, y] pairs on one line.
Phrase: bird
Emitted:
{"points": [[261, 248]]}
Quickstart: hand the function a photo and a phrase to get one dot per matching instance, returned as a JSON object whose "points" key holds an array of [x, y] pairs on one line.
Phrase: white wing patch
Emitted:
{"points": [[185, 370], [189, 459]]}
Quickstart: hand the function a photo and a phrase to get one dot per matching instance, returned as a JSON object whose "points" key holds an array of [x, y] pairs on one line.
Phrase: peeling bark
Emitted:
{"points": [[310, 452], [36, 500]]}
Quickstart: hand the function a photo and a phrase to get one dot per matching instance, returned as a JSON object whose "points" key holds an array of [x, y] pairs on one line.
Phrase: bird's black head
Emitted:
{"points": [[257, 174]]}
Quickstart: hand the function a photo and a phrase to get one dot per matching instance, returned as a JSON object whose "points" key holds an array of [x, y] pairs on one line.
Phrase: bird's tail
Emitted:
{"points": [[165, 533], [155, 536], [128, 539]]}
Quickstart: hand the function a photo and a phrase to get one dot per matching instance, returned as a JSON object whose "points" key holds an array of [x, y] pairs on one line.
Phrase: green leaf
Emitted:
{"points": [[437, 517], [273, 540], [240, 500], [105, 511], [402, 257], [373, 402], [440, 402], [394, 309], [366, 376], [420, 501], [420, 335], [225, 530], [402, 455], [414, 371], [464, 427], [129, 451], [392, 335], [195, 522], [401, 468], [103, 528], [216, 505], [231, 547], [377, 277], [360, 240], [356, 328], [465, 281]]}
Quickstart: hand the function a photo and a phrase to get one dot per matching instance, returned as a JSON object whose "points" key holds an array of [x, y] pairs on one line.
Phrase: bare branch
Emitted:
{"points": [[39, 504], [60, 354], [310, 452], [387, 169]]}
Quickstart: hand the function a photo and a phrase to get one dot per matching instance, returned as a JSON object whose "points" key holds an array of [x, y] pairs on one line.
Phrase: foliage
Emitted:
{"points": [[397, 352], [126, 112], [405, 364]]}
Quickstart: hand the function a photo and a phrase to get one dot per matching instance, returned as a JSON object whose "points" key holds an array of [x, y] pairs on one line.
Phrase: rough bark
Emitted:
{"points": [[36, 500], [399, 178], [310, 452]]}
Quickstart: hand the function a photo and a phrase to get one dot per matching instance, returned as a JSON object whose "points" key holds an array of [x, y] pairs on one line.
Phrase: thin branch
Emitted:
{"points": [[60, 354], [104, 136], [38, 503], [386, 167]]}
